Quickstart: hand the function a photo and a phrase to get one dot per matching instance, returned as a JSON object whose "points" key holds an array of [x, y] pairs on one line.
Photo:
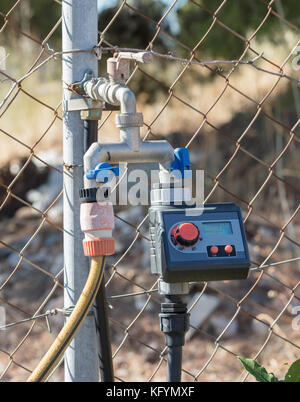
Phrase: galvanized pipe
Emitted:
{"points": [[79, 31], [130, 148], [150, 151], [117, 94], [111, 92]]}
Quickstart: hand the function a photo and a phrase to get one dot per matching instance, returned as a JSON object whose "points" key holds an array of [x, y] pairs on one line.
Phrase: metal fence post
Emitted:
{"points": [[79, 31]]}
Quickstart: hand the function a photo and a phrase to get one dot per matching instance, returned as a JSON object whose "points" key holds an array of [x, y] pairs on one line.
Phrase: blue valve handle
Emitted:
{"points": [[181, 160], [92, 174]]}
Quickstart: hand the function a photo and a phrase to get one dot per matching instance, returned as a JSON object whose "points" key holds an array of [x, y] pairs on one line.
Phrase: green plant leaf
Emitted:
{"points": [[259, 372], [293, 374]]}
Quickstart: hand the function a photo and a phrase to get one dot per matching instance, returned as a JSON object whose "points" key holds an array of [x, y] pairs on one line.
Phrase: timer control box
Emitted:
{"points": [[205, 243]]}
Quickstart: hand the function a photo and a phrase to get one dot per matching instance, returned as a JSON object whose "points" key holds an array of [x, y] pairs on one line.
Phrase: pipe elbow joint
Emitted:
{"points": [[110, 92], [93, 156], [126, 99], [168, 156], [128, 103]]}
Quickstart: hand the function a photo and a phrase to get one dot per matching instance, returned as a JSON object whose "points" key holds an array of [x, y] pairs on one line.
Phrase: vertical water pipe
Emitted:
{"points": [[79, 31]]}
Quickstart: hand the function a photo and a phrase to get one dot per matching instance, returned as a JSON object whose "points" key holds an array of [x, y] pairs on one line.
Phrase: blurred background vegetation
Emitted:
{"points": [[188, 24], [181, 32], [204, 109]]}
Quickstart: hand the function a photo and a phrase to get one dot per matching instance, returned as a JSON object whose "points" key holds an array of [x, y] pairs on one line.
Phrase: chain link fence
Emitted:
{"points": [[240, 120]]}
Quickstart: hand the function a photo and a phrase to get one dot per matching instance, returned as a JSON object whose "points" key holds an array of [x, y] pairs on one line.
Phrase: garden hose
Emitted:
{"points": [[90, 135], [68, 332]]}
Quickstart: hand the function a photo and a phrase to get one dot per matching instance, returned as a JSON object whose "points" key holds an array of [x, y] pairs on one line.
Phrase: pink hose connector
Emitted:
{"points": [[97, 222]]}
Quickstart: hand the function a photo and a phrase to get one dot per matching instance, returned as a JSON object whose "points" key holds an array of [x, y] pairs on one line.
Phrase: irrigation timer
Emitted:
{"points": [[199, 244]]}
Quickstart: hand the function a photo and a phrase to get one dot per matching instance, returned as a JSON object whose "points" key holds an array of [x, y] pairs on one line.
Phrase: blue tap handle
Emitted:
{"points": [[104, 166], [181, 160]]}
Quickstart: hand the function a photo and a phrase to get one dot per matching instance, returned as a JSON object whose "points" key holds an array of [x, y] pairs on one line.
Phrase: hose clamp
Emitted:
{"points": [[69, 310]]}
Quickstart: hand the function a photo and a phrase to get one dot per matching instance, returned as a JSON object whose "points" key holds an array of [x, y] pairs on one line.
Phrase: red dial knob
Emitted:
{"points": [[186, 234]]}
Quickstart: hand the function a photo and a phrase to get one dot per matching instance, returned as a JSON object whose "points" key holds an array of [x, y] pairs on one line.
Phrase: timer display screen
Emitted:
{"points": [[217, 228]]}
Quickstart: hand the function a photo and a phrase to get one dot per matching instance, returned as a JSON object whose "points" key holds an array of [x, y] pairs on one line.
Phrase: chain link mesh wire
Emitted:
{"points": [[255, 318]]}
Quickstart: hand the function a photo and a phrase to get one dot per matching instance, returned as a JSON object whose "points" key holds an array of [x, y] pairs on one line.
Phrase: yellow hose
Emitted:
{"points": [[68, 332]]}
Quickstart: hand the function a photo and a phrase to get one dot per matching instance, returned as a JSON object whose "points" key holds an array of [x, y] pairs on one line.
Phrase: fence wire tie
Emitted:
{"points": [[170, 56], [202, 63], [69, 167], [98, 52], [37, 317]]}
